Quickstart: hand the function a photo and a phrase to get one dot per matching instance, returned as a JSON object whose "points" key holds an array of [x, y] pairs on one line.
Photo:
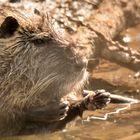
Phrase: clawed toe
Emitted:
{"points": [[63, 110], [98, 100]]}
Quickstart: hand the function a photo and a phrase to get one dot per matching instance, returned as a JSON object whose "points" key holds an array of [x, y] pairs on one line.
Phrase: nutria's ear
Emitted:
{"points": [[8, 27]]}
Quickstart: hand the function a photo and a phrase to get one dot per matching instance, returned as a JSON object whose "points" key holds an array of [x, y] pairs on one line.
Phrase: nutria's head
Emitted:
{"points": [[36, 61]]}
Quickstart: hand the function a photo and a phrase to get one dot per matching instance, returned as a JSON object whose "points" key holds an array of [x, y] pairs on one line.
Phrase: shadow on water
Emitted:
{"points": [[124, 125]]}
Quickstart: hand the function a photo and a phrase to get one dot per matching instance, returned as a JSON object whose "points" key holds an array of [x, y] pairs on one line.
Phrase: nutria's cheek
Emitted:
{"points": [[80, 81]]}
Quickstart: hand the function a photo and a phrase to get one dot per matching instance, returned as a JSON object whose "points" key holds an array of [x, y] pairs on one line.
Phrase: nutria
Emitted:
{"points": [[38, 71]]}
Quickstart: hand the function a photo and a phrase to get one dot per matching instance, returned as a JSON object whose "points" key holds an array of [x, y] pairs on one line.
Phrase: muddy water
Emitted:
{"points": [[124, 125]]}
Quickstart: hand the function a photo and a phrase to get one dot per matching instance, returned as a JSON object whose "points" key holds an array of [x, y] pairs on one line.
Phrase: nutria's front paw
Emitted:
{"points": [[63, 109], [98, 100], [54, 111], [57, 111]]}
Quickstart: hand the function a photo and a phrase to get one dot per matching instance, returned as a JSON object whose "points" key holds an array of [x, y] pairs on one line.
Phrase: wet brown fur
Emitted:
{"points": [[37, 66]]}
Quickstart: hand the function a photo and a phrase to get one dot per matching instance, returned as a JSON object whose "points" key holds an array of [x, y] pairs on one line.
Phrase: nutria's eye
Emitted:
{"points": [[41, 42], [13, 1]]}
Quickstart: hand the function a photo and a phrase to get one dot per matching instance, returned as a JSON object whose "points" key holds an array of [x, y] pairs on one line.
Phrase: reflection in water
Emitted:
{"points": [[131, 35], [124, 125], [105, 117]]}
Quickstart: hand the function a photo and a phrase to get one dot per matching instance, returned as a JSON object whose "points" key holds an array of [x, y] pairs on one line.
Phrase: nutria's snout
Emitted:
{"points": [[91, 64], [81, 65]]}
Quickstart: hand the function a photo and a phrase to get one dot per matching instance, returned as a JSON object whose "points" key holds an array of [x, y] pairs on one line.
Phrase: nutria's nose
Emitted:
{"points": [[80, 65], [92, 63]]}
